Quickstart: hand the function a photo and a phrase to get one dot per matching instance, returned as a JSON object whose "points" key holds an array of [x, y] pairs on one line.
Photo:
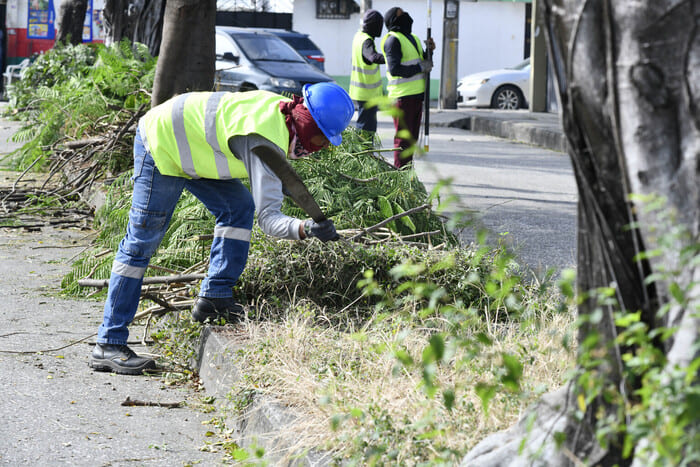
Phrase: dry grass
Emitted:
{"points": [[353, 381]]}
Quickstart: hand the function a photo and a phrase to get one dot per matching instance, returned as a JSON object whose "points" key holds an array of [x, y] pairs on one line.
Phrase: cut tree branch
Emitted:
{"points": [[101, 283], [392, 218]]}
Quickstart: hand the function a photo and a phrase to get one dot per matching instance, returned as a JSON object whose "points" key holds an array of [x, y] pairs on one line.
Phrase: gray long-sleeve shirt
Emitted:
{"points": [[265, 187]]}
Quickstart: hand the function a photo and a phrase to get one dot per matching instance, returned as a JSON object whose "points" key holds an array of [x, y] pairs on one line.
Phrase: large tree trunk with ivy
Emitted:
{"points": [[71, 17], [628, 76], [186, 61], [136, 20]]}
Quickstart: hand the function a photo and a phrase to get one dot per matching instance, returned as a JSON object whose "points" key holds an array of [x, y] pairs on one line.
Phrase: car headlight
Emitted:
{"points": [[283, 83]]}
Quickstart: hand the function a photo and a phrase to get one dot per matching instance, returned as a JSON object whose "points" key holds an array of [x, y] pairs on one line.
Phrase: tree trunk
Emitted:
{"points": [[186, 61], [71, 17], [628, 75], [139, 21]]}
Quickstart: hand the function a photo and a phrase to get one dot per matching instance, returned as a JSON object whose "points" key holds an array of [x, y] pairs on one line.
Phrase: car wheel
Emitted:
{"points": [[247, 87], [507, 98]]}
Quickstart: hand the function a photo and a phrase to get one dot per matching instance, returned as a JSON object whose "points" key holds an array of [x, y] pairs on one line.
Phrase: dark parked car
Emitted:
{"points": [[248, 59], [302, 44]]}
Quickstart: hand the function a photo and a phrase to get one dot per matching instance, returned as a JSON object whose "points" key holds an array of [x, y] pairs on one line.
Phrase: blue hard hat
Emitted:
{"points": [[331, 107]]}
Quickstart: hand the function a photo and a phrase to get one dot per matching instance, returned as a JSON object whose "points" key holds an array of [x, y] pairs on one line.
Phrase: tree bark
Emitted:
{"points": [[136, 20], [186, 61], [71, 16], [628, 76]]}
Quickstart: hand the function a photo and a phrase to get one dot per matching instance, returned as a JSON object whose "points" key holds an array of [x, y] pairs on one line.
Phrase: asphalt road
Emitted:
{"points": [[524, 195]]}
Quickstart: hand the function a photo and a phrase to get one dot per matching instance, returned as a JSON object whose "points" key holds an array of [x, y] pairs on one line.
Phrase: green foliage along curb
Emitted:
{"points": [[73, 92]]}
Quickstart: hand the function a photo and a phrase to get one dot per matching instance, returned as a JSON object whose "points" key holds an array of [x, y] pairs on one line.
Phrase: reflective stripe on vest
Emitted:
{"points": [[398, 86], [365, 80], [188, 135]]}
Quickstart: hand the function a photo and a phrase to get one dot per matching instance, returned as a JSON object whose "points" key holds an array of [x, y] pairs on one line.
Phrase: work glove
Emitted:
{"points": [[324, 230], [426, 65]]}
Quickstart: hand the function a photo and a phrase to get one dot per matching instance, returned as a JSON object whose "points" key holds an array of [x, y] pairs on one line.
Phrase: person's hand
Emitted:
{"points": [[324, 230], [430, 44], [426, 66]]}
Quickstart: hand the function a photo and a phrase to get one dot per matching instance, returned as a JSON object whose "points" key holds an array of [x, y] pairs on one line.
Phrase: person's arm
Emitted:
{"points": [[370, 54], [266, 188], [392, 47]]}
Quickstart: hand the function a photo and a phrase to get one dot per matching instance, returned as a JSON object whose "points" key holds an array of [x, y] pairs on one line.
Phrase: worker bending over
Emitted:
{"points": [[206, 142]]}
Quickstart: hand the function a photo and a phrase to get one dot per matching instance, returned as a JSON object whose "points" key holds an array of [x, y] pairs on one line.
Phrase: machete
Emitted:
{"points": [[293, 184]]}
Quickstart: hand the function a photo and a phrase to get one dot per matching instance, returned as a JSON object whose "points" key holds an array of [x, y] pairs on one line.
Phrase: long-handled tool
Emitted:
{"points": [[429, 53]]}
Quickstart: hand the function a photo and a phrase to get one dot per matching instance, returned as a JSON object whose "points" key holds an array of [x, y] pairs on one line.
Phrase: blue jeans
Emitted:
{"points": [[152, 206]]}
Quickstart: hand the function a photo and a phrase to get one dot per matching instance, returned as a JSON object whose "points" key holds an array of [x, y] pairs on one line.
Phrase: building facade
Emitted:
{"points": [[30, 27], [492, 34]]}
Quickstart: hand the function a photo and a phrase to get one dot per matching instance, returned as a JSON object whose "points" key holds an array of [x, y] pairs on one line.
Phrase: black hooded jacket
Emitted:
{"points": [[392, 47], [372, 25]]}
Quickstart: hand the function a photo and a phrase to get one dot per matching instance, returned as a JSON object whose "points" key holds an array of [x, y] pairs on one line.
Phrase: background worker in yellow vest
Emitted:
{"points": [[365, 78], [206, 142], [406, 67]]}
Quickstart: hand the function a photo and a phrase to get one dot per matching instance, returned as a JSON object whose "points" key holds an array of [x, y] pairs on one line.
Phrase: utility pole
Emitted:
{"points": [[366, 5], [538, 62], [450, 39]]}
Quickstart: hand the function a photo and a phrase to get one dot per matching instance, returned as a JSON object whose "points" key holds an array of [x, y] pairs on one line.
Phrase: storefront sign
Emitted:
{"points": [[42, 18]]}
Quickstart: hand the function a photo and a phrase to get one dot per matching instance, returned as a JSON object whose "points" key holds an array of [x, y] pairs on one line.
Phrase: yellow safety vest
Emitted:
{"points": [[410, 55], [188, 134], [365, 80]]}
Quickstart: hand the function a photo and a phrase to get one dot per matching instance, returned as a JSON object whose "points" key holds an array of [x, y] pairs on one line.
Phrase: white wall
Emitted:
{"points": [[491, 34], [332, 36]]}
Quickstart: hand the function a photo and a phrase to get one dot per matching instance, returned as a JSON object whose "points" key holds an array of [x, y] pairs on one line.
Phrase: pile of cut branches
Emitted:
{"points": [[21, 209], [77, 168], [329, 275], [279, 272], [78, 105]]}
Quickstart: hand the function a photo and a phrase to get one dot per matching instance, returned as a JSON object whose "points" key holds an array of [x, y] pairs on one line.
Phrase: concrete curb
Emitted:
{"points": [[541, 135], [541, 130], [263, 421]]}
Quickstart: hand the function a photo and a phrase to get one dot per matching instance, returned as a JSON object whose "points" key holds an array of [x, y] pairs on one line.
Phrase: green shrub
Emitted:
{"points": [[74, 92]]}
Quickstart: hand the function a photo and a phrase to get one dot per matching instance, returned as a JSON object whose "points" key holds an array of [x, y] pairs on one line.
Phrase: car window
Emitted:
{"points": [[264, 47], [224, 44], [300, 42], [522, 65]]}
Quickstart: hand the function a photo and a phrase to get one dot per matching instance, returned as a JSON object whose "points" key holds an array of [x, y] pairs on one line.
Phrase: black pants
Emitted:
{"points": [[366, 117]]}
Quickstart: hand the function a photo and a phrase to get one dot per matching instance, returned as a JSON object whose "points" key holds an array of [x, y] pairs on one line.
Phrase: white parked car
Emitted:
{"points": [[508, 88]]}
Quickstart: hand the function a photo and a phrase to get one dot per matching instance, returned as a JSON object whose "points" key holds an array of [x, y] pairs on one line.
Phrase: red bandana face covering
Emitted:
{"points": [[302, 128]]}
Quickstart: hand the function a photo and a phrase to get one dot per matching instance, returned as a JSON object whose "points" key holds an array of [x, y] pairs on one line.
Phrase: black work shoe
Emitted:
{"points": [[213, 309], [119, 359]]}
